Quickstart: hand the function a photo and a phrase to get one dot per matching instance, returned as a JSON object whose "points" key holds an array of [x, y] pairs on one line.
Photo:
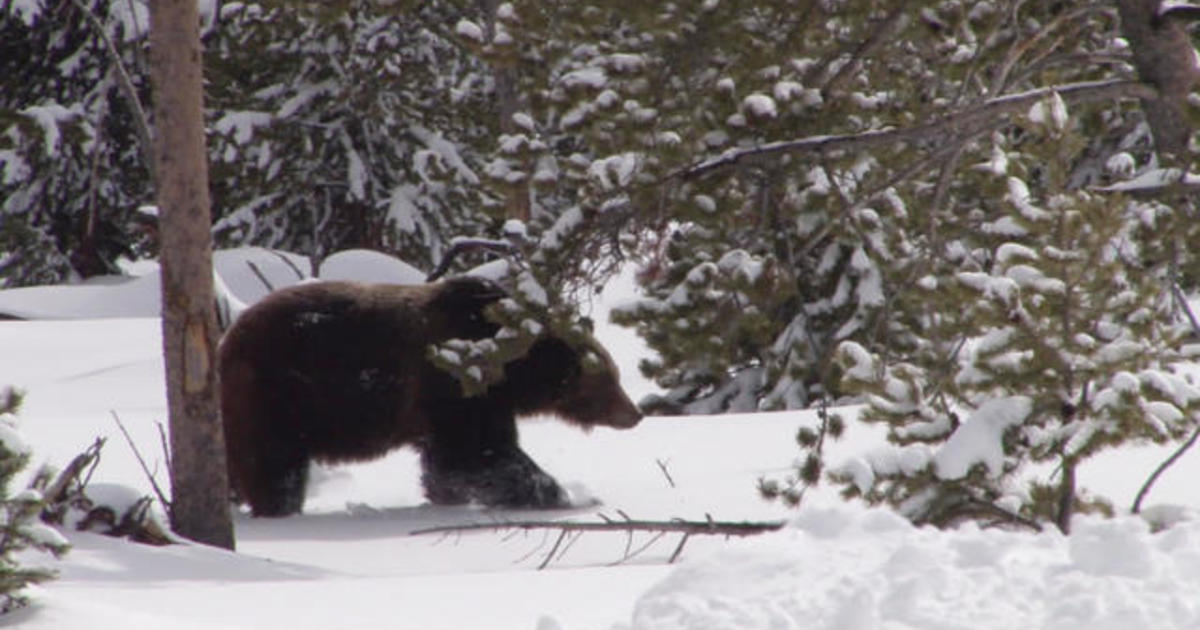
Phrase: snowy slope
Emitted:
{"points": [[349, 562]]}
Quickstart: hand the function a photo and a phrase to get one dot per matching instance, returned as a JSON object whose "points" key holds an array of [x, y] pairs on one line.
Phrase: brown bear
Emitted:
{"points": [[339, 372]]}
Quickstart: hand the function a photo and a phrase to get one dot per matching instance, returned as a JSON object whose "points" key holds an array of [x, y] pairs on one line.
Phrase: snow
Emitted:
{"points": [[241, 125], [10, 437], [364, 265], [980, 439], [469, 30], [49, 117], [760, 106], [853, 569], [594, 78], [349, 561], [1155, 178], [524, 121], [1053, 111], [615, 170], [788, 90], [138, 296]]}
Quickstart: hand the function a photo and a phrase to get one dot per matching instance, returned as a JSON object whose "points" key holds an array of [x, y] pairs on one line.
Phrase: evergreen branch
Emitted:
{"points": [[128, 91], [882, 32], [988, 114]]}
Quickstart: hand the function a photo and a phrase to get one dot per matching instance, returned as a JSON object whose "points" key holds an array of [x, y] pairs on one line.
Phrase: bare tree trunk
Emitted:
{"points": [[199, 487], [1066, 496]]}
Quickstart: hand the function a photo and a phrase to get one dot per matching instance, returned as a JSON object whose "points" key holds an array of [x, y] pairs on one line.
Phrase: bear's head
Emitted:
{"points": [[575, 380], [596, 396]]}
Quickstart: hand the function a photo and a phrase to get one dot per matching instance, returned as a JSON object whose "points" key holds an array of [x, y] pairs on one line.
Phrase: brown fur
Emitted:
{"points": [[337, 372]]}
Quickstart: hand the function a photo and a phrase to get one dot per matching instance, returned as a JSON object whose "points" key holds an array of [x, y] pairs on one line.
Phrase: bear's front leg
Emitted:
{"points": [[472, 456], [498, 479], [505, 477]]}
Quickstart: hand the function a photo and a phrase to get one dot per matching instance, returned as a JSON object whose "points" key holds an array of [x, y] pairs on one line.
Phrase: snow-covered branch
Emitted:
{"points": [[958, 125], [125, 82]]}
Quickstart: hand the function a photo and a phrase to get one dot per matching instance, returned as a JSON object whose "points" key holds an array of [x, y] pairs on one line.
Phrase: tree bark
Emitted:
{"points": [[199, 487]]}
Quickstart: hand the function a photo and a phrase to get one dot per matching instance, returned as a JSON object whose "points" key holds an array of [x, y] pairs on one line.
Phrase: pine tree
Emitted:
{"points": [[20, 524], [1062, 342], [70, 152]]}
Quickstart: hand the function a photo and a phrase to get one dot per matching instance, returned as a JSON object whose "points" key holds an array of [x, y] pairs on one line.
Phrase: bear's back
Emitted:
{"points": [[327, 361]]}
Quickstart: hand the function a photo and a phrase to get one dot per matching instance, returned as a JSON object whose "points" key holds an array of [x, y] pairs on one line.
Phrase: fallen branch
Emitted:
{"points": [[627, 526], [71, 480], [711, 528], [66, 493]]}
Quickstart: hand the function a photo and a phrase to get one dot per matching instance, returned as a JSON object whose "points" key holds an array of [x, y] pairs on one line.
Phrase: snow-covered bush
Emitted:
{"points": [[20, 514]]}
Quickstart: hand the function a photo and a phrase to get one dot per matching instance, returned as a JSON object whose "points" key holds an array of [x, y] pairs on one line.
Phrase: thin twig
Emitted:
{"points": [[1186, 307], [637, 552], [288, 261], [678, 549], [259, 274], [553, 550], [162, 497], [166, 447], [662, 465], [1145, 489], [570, 543]]}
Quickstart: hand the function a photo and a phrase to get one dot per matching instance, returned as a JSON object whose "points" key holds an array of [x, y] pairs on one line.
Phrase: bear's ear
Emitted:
{"points": [[460, 303]]}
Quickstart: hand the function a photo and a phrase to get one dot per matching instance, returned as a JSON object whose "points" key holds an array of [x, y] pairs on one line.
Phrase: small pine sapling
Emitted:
{"points": [[20, 514], [1063, 344], [808, 470]]}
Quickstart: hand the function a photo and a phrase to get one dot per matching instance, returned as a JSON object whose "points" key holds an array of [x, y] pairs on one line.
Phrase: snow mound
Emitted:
{"points": [[248, 272], [848, 568], [364, 265]]}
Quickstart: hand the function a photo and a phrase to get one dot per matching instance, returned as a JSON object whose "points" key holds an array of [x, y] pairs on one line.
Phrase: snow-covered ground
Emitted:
{"points": [[350, 561]]}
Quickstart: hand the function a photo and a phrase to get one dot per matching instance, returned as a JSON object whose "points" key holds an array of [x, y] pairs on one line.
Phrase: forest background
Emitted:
{"points": [[954, 211]]}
